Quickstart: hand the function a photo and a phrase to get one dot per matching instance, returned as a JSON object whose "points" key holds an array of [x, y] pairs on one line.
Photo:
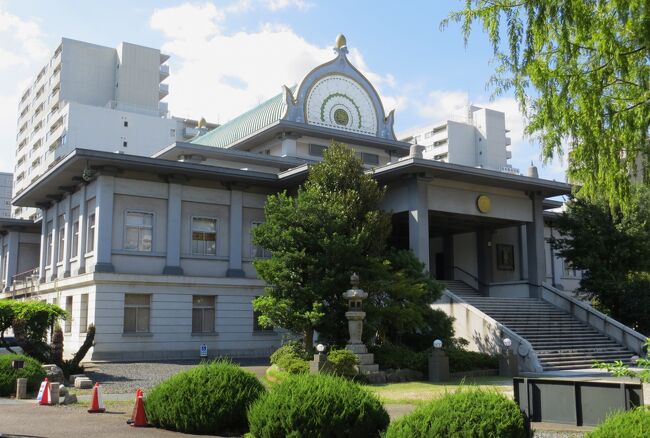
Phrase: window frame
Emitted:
{"points": [[203, 309], [91, 229], [257, 328], [67, 327], [216, 236], [126, 226], [61, 237], [136, 307], [49, 240]]}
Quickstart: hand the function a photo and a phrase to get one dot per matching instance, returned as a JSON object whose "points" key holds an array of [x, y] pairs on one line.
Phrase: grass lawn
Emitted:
{"points": [[419, 392]]}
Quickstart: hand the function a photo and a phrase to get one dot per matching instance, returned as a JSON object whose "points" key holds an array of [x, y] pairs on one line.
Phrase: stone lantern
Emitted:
{"points": [[355, 316]]}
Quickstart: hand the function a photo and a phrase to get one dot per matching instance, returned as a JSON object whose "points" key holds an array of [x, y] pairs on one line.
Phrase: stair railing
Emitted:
{"points": [[489, 330], [611, 328]]}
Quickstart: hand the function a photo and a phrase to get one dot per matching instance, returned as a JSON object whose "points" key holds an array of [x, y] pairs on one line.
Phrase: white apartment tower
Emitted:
{"points": [[6, 182], [94, 97], [477, 138]]}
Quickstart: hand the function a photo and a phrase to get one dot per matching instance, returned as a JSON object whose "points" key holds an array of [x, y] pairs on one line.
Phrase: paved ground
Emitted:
{"points": [[126, 377]]}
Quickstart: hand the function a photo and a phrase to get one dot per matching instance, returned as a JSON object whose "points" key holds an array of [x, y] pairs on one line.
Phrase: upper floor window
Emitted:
{"points": [[371, 159], [317, 150], [138, 231], [61, 238], [90, 239], [204, 236], [74, 248]]}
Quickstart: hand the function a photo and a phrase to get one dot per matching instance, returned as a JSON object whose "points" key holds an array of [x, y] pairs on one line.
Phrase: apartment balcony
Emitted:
{"points": [[164, 58], [163, 109], [508, 141], [509, 169], [163, 90], [508, 154], [55, 79], [164, 72], [54, 137]]}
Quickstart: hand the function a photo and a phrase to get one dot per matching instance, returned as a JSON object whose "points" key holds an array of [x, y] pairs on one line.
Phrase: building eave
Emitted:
{"points": [[448, 171], [67, 173]]}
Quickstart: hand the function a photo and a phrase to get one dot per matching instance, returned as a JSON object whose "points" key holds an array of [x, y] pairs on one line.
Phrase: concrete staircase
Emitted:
{"points": [[560, 341]]}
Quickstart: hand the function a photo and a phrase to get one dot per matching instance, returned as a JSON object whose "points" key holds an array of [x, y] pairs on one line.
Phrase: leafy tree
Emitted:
{"points": [[579, 70], [612, 247], [332, 227]]}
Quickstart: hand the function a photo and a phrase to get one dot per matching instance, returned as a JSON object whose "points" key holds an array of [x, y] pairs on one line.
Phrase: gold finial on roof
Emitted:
{"points": [[202, 123], [341, 41]]}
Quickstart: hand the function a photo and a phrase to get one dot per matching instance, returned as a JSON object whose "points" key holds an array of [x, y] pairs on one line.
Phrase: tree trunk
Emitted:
{"points": [[309, 340]]}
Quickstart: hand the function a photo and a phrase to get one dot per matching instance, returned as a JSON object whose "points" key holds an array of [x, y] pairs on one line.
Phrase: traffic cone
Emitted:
{"points": [[44, 393], [97, 405], [138, 392], [139, 416]]}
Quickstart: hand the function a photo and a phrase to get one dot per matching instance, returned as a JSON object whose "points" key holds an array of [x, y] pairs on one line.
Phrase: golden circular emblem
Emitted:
{"points": [[483, 204], [341, 117]]}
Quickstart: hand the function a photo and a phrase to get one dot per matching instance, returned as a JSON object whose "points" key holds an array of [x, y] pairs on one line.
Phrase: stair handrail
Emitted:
{"points": [[472, 276], [637, 347], [530, 351]]}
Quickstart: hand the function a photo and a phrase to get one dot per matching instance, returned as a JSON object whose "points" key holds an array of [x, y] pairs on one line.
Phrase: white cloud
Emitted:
{"points": [[275, 5], [22, 50], [442, 105], [219, 75]]}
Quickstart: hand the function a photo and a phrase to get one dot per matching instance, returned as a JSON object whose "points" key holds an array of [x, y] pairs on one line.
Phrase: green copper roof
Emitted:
{"points": [[246, 124]]}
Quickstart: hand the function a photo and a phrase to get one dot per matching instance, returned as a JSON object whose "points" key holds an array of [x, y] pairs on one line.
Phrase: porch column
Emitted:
{"points": [[484, 260], [523, 253], [535, 244], [68, 235], [236, 218], [419, 220], [83, 231], [104, 223], [173, 266], [43, 255], [12, 238], [55, 243]]}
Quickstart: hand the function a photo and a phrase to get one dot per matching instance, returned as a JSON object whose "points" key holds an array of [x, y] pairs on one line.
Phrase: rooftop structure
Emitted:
{"points": [[94, 97], [477, 138]]}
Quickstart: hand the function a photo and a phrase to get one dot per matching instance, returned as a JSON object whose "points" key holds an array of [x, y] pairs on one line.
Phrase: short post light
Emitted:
{"points": [[438, 363], [508, 363], [320, 360]]}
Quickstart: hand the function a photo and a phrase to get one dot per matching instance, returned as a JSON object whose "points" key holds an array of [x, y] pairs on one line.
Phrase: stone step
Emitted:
{"points": [[365, 369]]}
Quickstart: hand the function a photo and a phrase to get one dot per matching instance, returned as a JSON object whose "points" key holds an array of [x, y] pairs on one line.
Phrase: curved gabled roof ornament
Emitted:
{"points": [[336, 95]]}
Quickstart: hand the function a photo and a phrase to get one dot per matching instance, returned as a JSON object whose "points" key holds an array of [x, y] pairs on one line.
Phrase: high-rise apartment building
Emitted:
{"points": [[94, 97], [477, 138], [6, 182]]}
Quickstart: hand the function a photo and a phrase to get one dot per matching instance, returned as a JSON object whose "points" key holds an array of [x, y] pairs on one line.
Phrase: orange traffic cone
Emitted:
{"points": [[138, 392], [97, 405], [139, 416], [44, 393]]}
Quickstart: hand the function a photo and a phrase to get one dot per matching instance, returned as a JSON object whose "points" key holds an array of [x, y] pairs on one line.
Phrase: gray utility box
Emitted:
{"points": [[582, 402]]}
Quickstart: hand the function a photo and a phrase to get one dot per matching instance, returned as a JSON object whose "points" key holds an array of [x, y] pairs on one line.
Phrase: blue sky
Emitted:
{"points": [[226, 56]]}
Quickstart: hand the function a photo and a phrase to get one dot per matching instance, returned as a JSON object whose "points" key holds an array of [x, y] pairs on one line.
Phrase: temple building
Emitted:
{"points": [[157, 251]]}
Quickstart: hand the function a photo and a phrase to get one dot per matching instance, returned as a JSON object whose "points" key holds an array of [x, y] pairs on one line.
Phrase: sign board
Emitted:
{"points": [[41, 390], [204, 350]]}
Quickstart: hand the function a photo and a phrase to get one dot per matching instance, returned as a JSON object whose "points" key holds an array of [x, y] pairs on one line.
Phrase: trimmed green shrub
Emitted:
{"points": [[211, 398], [465, 413], [342, 363], [391, 356], [292, 348], [292, 364], [291, 358], [317, 406], [629, 424], [463, 360], [32, 371]]}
